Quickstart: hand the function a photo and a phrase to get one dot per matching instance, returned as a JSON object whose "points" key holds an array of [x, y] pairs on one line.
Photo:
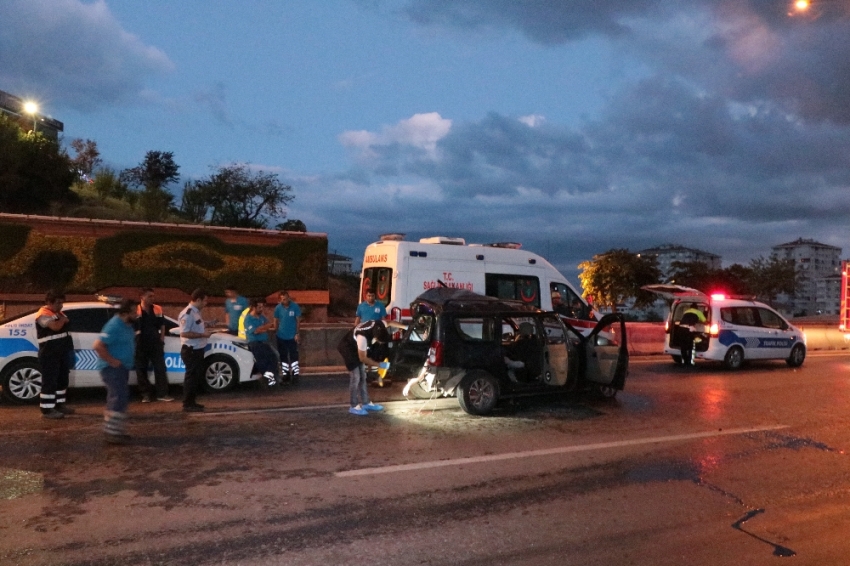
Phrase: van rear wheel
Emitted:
{"points": [[734, 358], [478, 393]]}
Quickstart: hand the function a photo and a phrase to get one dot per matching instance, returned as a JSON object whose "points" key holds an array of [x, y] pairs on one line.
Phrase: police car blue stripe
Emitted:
{"points": [[9, 346]]}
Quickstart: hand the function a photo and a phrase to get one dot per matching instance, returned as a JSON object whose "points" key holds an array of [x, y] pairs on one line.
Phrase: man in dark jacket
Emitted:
{"points": [[354, 348]]}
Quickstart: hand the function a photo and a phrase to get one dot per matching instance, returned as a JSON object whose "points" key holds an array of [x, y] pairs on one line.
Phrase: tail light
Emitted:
{"points": [[667, 326], [395, 315], [435, 354], [714, 329]]}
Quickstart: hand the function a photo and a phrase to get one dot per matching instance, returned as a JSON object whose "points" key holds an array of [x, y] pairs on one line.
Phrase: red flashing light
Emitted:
{"points": [[718, 296]]}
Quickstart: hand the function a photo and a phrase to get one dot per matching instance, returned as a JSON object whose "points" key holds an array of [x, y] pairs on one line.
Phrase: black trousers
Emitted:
{"points": [[193, 359], [147, 354], [55, 367]]}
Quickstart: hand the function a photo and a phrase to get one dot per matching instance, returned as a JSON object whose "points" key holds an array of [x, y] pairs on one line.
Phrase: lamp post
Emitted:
{"points": [[31, 108]]}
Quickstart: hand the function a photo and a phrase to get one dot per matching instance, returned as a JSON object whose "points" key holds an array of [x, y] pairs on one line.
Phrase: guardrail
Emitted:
{"points": [[318, 347]]}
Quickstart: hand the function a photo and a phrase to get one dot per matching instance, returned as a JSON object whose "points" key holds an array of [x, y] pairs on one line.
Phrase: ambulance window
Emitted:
{"points": [[380, 279], [514, 287], [566, 302]]}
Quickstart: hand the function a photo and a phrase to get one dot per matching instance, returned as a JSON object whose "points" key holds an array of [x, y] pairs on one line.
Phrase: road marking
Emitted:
{"points": [[551, 451], [269, 410]]}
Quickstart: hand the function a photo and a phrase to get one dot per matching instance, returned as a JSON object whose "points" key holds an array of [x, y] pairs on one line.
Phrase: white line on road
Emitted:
{"points": [[551, 451]]}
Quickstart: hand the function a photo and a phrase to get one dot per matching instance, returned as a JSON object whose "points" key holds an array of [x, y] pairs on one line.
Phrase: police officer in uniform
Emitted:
{"points": [[150, 342], [55, 355], [692, 326], [193, 340]]}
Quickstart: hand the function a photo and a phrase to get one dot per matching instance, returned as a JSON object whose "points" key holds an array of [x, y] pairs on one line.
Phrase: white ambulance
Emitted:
{"points": [[399, 271]]}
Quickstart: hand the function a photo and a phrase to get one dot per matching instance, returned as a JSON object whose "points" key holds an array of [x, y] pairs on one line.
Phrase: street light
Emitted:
{"points": [[31, 108]]}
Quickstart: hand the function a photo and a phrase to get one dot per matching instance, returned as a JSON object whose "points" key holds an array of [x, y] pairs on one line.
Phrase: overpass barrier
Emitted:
{"points": [[318, 345]]}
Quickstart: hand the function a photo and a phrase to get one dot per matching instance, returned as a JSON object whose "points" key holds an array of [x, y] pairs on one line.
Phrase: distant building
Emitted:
{"points": [[669, 253], [816, 263], [339, 264], [13, 106]]}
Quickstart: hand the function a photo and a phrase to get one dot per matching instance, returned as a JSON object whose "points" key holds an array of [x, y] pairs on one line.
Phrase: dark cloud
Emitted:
{"points": [[543, 21], [75, 52]]}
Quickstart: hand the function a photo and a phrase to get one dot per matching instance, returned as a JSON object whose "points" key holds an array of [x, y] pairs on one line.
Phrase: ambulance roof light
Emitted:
{"points": [[392, 237], [443, 240], [508, 245], [718, 296]]}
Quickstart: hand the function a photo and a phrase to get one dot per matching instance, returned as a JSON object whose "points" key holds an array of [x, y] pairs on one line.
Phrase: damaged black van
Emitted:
{"points": [[483, 349]]}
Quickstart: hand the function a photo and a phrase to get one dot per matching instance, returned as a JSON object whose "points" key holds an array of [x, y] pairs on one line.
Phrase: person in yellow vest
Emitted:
{"points": [[692, 324], [150, 349]]}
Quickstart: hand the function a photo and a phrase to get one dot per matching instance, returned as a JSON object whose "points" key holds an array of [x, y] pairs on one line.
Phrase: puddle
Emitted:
{"points": [[17, 483]]}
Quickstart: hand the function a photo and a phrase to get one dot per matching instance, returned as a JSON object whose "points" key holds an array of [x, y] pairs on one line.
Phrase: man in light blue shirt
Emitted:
{"points": [[287, 320], [116, 348], [234, 305], [370, 309]]}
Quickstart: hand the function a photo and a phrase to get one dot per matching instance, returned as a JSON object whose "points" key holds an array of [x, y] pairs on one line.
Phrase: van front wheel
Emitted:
{"points": [[478, 393], [798, 354]]}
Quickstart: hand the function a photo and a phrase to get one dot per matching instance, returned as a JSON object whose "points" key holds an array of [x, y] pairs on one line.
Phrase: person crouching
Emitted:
{"points": [[354, 348]]}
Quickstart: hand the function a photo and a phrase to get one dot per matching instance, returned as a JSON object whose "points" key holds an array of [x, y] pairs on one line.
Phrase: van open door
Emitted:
{"points": [[607, 354], [673, 292]]}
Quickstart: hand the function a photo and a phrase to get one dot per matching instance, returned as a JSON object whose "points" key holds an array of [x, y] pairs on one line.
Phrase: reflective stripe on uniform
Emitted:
{"points": [[52, 337]]}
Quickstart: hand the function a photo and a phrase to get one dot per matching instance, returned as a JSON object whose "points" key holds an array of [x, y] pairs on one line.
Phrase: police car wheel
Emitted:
{"points": [[22, 381], [798, 354], [734, 358], [221, 373]]}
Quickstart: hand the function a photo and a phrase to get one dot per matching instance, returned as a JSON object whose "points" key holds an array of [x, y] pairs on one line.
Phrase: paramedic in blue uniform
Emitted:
{"points": [[150, 349], [257, 327], [193, 341], [55, 355], [287, 321], [115, 349], [370, 309], [234, 305]]}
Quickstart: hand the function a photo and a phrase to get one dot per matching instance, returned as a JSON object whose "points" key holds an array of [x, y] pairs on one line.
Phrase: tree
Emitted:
{"points": [[292, 225], [153, 175], [34, 171], [617, 275], [107, 184], [733, 280], [193, 206], [237, 196], [87, 158], [772, 277]]}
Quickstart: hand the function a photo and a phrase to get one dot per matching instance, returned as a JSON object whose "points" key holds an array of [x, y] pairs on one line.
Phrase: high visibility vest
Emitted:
{"points": [[47, 337], [157, 310], [241, 332]]}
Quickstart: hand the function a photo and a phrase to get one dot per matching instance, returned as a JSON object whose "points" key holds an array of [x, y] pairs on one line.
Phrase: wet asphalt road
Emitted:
{"points": [[685, 467]]}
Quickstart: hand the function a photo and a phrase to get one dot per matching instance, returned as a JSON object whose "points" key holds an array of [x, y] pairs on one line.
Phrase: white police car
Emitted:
{"points": [[227, 358], [737, 330]]}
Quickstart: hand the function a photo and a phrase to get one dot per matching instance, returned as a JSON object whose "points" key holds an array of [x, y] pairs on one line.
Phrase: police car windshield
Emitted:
{"points": [[17, 316]]}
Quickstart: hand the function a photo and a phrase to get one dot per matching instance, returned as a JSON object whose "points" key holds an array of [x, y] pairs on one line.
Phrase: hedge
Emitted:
{"points": [[35, 262]]}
